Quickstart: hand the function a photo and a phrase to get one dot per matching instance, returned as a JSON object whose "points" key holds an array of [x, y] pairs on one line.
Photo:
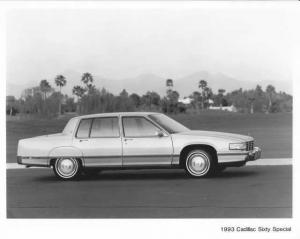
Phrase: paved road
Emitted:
{"points": [[251, 191]]}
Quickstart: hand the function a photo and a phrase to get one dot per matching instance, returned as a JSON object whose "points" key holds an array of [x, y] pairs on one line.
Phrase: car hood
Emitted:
{"points": [[215, 134]]}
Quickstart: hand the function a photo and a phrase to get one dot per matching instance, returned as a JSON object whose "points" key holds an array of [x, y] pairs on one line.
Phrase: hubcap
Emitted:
{"points": [[67, 167], [198, 164]]}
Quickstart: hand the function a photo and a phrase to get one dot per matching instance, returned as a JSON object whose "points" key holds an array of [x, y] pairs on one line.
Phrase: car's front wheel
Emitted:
{"points": [[67, 168], [199, 163]]}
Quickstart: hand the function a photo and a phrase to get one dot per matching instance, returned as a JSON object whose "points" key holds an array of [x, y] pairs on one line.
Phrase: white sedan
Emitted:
{"points": [[129, 140]]}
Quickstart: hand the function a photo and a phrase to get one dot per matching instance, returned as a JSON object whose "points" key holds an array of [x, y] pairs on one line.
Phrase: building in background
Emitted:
{"points": [[230, 108]]}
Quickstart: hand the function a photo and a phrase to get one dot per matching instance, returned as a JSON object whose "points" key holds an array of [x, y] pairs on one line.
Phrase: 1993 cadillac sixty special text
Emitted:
{"points": [[96, 142]]}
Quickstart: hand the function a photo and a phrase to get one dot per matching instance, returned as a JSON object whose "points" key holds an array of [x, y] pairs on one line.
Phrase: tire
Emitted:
{"points": [[200, 163], [67, 168]]}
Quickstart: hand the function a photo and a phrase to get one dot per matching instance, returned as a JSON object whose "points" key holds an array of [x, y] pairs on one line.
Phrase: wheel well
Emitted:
{"points": [[52, 161], [184, 152]]}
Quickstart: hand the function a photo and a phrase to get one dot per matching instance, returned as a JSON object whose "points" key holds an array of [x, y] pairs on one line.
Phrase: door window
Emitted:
{"points": [[84, 128], [105, 127], [138, 127]]}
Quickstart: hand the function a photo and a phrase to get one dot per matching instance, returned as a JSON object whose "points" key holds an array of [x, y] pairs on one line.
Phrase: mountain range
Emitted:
{"points": [[151, 82]]}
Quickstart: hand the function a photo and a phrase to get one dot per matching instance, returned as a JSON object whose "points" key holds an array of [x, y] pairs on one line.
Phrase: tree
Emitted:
{"points": [[171, 102], [202, 85], [70, 105], [45, 87], [155, 98], [270, 92], [220, 98], [150, 99], [221, 91], [136, 99], [87, 79], [258, 91], [251, 100], [79, 92], [196, 96], [169, 84], [123, 102], [11, 108], [60, 81], [174, 96], [124, 94]]}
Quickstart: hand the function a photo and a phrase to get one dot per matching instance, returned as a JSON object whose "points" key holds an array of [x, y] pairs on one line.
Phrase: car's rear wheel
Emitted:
{"points": [[67, 168], [199, 163]]}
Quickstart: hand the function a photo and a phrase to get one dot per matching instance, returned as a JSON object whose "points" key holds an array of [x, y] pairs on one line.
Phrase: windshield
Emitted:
{"points": [[168, 124], [69, 128]]}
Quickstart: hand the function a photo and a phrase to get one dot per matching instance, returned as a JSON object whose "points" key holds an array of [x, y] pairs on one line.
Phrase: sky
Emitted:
{"points": [[246, 43]]}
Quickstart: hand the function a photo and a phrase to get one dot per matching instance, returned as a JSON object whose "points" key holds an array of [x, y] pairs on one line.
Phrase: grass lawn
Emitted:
{"points": [[273, 132]]}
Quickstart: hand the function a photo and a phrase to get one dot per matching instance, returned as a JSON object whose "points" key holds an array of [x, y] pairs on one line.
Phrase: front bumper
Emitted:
{"points": [[254, 154], [230, 158]]}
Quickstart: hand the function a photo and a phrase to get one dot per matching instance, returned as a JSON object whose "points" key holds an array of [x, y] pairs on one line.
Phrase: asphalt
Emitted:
{"points": [[246, 192]]}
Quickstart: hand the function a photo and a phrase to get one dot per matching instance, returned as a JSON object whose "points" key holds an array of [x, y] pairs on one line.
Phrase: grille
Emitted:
{"points": [[249, 145]]}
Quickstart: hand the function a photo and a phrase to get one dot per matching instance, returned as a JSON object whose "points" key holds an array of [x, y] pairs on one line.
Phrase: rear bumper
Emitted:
{"points": [[239, 159], [34, 161]]}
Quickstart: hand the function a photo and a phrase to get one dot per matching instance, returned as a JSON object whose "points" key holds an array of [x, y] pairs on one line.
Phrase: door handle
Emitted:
{"points": [[81, 140], [127, 139]]}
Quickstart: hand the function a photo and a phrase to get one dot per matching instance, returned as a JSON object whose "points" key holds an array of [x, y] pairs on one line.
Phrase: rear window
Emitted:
{"points": [[84, 128], [105, 127]]}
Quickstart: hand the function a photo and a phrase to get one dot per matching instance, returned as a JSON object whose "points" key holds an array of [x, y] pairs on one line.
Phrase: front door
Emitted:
{"points": [[99, 140], [144, 144]]}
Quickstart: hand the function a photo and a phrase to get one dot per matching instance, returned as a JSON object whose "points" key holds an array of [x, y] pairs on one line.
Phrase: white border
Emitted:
{"points": [[149, 228]]}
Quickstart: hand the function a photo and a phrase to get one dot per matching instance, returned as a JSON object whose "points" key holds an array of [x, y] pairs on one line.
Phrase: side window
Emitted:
{"points": [[84, 128], [105, 127], [138, 127]]}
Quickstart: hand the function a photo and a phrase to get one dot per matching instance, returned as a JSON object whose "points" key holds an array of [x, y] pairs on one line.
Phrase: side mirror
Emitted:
{"points": [[159, 134]]}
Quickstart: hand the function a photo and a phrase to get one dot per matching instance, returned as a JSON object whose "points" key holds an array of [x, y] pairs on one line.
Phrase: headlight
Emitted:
{"points": [[237, 146]]}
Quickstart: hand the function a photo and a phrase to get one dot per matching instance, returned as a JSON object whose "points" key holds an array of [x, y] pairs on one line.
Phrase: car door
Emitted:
{"points": [[144, 144], [100, 142]]}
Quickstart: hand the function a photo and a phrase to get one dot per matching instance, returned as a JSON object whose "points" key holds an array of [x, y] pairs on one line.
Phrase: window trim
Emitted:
{"points": [[90, 128], [142, 136]]}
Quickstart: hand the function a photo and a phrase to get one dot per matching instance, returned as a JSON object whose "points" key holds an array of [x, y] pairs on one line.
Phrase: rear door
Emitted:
{"points": [[144, 143], [99, 140]]}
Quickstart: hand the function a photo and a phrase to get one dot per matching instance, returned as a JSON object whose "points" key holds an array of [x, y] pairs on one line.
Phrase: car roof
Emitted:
{"points": [[116, 114]]}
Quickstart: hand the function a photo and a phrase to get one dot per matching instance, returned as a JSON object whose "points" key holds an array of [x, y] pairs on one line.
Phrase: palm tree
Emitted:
{"points": [[270, 91], [87, 79], [202, 85], [221, 91], [60, 81], [251, 100], [221, 94], [169, 84], [79, 92], [196, 99], [45, 87]]}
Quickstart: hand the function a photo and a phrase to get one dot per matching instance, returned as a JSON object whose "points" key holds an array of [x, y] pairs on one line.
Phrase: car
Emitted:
{"points": [[134, 140]]}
